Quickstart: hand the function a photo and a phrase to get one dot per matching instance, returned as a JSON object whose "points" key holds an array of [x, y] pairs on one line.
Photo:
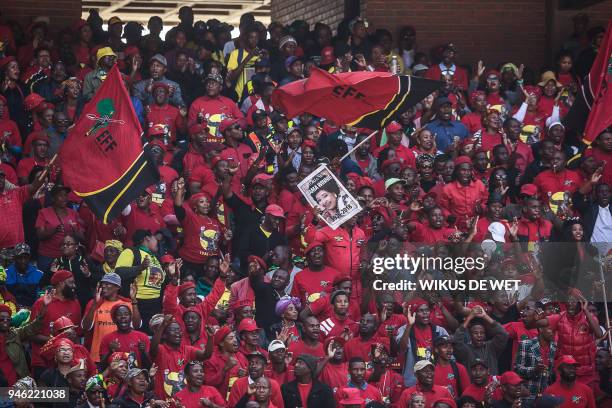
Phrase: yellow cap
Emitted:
{"points": [[103, 52]]}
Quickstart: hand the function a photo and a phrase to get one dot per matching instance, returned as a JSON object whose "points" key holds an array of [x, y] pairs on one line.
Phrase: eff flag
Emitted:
{"points": [[362, 99], [592, 110], [103, 159]]}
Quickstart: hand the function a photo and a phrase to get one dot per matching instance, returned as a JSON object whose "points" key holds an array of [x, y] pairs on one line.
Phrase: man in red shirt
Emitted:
{"points": [[424, 371], [523, 155], [339, 323], [574, 394], [361, 346], [160, 112], [314, 279], [236, 153], [357, 379], [395, 134], [447, 67], [171, 356], [125, 339], [40, 147], [11, 202], [449, 373], [464, 197], [389, 382], [333, 368], [479, 374], [249, 335], [257, 364], [225, 365], [557, 180], [195, 393], [510, 390], [310, 342], [213, 107], [199, 134], [531, 227], [63, 303], [432, 232], [279, 368]]}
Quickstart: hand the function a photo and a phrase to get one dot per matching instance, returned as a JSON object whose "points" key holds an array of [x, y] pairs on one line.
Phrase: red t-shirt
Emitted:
{"points": [[25, 166], [11, 228], [391, 385], [49, 219], [431, 396], [128, 343], [427, 235], [335, 375], [549, 182], [490, 140], [577, 396], [170, 364], [201, 237], [213, 372], [424, 341], [298, 348], [308, 282], [472, 121], [445, 377], [281, 378], [140, 219], [56, 309], [333, 326], [169, 116], [6, 364], [357, 347], [304, 390], [518, 332], [192, 399]]}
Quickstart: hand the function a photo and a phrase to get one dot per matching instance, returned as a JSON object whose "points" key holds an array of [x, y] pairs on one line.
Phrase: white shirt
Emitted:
{"points": [[602, 230]]}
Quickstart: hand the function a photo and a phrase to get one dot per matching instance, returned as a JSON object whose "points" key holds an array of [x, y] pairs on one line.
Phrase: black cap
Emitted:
{"points": [[441, 101], [140, 235], [442, 340], [478, 361], [256, 354]]}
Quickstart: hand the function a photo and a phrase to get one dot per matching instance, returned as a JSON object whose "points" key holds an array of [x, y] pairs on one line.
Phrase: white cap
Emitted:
{"points": [[276, 345], [498, 231], [421, 365]]}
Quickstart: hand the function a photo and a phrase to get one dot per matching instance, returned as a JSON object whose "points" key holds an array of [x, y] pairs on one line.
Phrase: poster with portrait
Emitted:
{"points": [[322, 189]]}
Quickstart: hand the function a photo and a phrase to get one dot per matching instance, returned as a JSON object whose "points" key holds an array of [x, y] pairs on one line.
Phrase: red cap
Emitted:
{"points": [[462, 160], [312, 246], [309, 143], [327, 56], [261, 179], [529, 189], [5, 308], [156, 130], [510, 377], [131, 51], [197, 128], [193, 200], [261, 262], [40, 136], [166, 259], [187, 285], [389, 162], [493, 72], [160, 85], [351, 396], [221, 334], [228, 122], [337, 339], [393, 127], [247, 325], [275, 210], [158, 142], [566, 359], [62, 323], [60, 276]]}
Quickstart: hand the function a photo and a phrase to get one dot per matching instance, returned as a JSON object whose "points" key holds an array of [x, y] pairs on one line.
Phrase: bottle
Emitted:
{"points": [[394, 65]]}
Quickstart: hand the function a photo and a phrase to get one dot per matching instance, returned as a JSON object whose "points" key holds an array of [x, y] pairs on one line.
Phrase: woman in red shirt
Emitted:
{"points": [[52, 225], [473, 120], [195, 393], [202, 233], [82, 47]]}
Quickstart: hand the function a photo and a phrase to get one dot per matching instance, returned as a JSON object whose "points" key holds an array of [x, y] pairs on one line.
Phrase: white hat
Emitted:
{"points": [[498, 231], [421, 365], [276, 345]]}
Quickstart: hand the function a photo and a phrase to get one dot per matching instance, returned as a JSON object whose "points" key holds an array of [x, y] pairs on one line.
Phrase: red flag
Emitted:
{"points": [[363, 99], [103, 159], [600, 80]]}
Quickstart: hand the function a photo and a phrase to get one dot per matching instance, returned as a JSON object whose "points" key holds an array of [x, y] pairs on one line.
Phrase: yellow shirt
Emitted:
{"points": [[149, 282], [232, 64]]}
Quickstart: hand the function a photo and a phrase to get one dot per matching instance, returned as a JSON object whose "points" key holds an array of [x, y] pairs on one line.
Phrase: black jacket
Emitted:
{"points": [[321, 395], [589, 210]]}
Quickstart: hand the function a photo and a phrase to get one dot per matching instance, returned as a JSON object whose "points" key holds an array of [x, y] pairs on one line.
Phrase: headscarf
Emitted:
{"points": [[113, 243], [93, 381], [284, 302]]}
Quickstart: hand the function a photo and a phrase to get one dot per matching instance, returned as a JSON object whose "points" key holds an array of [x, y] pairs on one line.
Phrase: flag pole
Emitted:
{"points": [[605, 299], [358, 144]]}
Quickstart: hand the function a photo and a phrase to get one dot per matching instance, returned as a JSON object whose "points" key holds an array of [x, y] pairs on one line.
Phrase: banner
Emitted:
{"points": [[103, 159], [324, 191]]}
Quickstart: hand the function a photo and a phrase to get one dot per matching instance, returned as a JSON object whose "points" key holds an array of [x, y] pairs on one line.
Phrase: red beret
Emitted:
{"points": [[166, 259], [194, 198], [6, 60], [32, 101], [221, 334], [160, 85], [41, 136], [5, 308], [309, 143], [393, 127], [131, 50], [193, 309], [414, 304], [60, 276], [241, 303], [197, 128], [475, 95], [261, 262], [312, 246], [389, 162], [462, 160], [187, 285]]}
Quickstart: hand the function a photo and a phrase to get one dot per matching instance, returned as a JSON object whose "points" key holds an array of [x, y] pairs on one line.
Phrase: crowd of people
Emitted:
{"points": [[221, 286]]}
